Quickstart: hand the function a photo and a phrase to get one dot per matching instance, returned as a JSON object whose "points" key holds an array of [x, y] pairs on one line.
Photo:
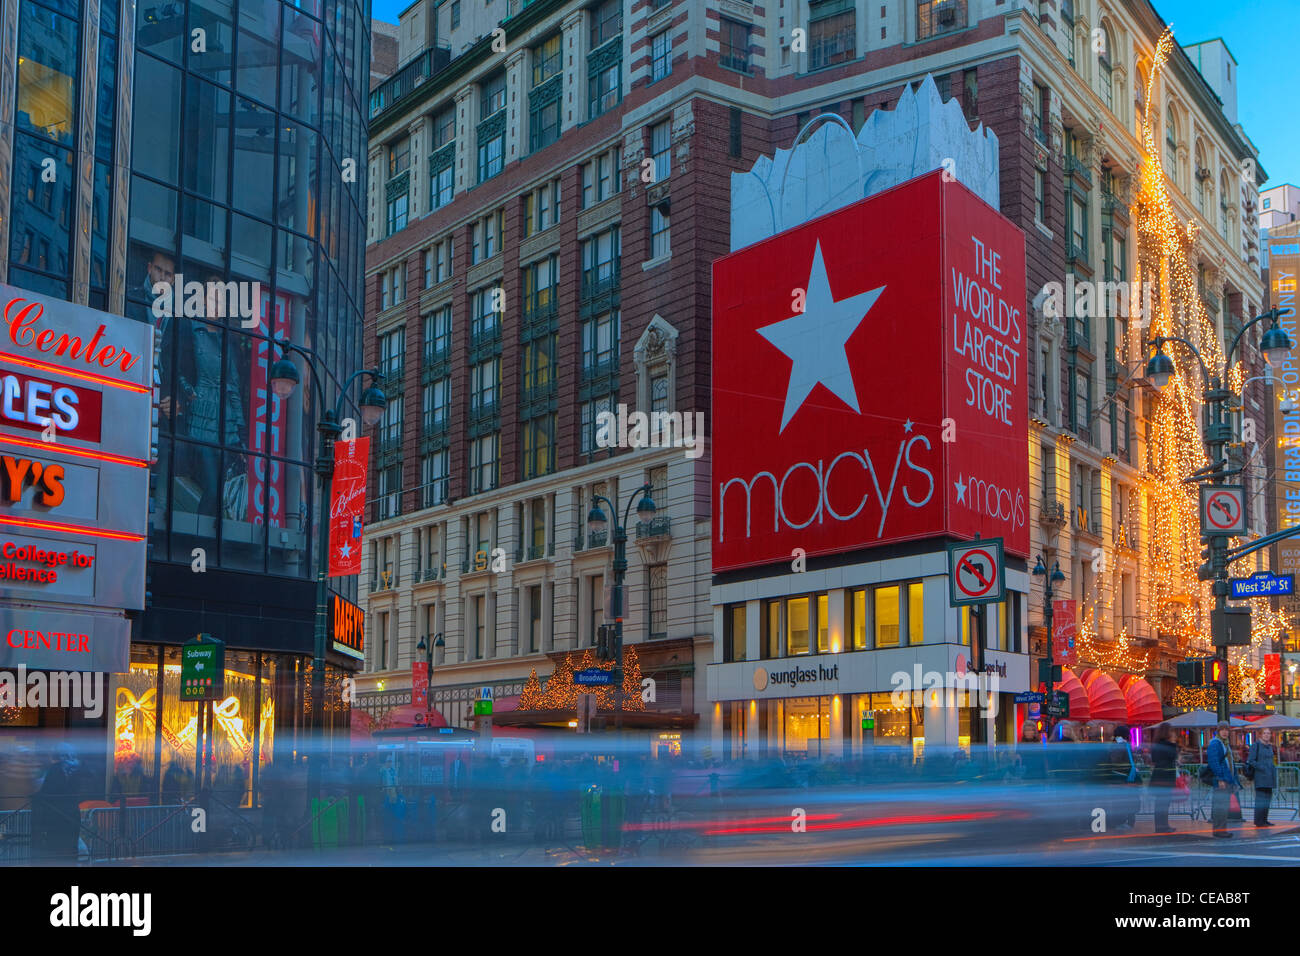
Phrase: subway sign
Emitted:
{"points": [[74, 495]]}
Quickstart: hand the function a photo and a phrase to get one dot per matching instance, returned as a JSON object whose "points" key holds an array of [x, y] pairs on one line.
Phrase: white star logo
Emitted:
{"points": [[345, 551], [815, 340], [961, 490]]}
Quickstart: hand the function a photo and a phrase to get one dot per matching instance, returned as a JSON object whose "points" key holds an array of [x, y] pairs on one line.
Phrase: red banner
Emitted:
{"points": [[869, 380], [266, 423], [420, 684], [1272, 674], [1064, 629], [349, 499]]}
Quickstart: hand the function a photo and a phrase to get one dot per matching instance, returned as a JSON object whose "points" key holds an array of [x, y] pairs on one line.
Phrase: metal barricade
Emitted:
{"points": [[1286, 795], [15, 837], [115, 832]]}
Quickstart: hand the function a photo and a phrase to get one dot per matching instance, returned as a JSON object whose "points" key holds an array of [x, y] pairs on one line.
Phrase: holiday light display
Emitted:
{"points": [[561, 692]]}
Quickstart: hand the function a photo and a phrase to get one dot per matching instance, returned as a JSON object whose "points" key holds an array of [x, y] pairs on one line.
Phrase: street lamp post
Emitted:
{"points": [[645, 510], [428, 647], [1275, 345], [1049, 590], [284, 378]]}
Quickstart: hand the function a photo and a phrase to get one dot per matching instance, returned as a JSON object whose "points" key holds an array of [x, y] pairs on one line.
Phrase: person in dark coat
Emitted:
{"points": [[1164, 774], [1219, 756], [1263, 760], [56, 809]]}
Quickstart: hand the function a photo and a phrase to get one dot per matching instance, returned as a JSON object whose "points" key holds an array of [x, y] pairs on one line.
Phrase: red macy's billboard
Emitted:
{"points": [[869, 380]]}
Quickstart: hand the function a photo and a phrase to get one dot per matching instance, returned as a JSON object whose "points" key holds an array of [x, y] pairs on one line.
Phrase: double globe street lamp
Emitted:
{"points": [[1275, 345], [284, 379], [596, 521]]}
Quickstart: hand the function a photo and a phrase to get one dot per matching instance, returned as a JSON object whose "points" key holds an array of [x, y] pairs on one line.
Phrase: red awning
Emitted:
{"points": [[1080, 709], [1141, 700], [1105, 699]]}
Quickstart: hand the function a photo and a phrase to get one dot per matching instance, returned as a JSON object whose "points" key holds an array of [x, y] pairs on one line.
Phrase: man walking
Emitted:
{"points": [[1219, 756]]}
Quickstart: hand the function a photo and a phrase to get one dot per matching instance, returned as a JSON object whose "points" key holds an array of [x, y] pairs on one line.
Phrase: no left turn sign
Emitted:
{"points": [[1223, 510], [976, 574]]}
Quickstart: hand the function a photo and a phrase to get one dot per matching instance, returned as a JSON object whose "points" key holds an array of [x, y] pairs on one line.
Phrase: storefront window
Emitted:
{"points": [[796, 638], [915, 613], [734, 647], [772, 645], [807, 725], [886, 613], [860, 620]]}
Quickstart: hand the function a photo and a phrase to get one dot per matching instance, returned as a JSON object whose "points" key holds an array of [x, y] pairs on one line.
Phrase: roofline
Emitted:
{"points": [[1215, 40]]}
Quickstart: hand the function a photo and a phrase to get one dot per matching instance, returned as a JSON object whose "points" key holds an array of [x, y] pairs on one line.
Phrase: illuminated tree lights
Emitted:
{"points": [[561, 692], [1207, 698]]}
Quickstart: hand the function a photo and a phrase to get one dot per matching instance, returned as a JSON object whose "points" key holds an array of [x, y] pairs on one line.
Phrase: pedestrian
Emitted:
{"points": [[1219, 757], [56, 809], [1123, 773], [1164, 775], [1261, 767]]}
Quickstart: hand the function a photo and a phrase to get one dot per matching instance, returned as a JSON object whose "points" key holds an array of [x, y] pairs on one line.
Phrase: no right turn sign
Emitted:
{"points": [[976, 574]]}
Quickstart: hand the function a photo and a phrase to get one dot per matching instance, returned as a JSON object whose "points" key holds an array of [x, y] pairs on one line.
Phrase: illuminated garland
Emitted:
{"points": [[1207, 698], [561, 692]]}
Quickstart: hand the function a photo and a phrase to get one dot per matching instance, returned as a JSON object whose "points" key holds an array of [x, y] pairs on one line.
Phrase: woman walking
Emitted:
{"points": [[1164, 775], [1262, 768]]}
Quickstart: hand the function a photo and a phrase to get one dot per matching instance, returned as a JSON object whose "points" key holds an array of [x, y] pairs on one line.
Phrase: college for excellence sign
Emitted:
{"points": [[76, 397], [869, 380]]}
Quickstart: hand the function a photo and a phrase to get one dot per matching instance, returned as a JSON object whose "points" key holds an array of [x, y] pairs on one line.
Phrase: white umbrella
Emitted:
{"points": [[1193, 719], [1277, 722]]}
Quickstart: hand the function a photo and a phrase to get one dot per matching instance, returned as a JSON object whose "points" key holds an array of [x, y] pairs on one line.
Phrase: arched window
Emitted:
{"points": [[1105, 69], [1171, 144], [1202, 175], [1140, 94]]}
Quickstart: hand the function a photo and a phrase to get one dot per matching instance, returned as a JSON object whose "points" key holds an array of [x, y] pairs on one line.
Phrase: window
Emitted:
{"points": [[661, 135], [399, 157], [428, 268], [396, 212], [538, 446], [1105, 70], [442, 184], [1079, 225], [1067, 23], [487, 236], [433, 474], [543, 125], [937, 17], [771, 629], [733, 641], [886, 614], [491, 154], [1267, 203], [596, 612], [534, 617], [660, 247], [542, 208], [437, 404], [455, 14], [483, 463], [485, 321], [600, 260], [1040, 196], [659, 393], [797, 626], [832, 31], [539, 367], [590, 412], [444, 127], [735, 45], [392, 349], [547, 59], [657, 593], [606, 22], [480, 625], [438, 262], [392, 288], [390, 491], [915, 613], [1171, 145], [599, 342], [661, 56], [492, 95], [484, 382], [541, 281]]}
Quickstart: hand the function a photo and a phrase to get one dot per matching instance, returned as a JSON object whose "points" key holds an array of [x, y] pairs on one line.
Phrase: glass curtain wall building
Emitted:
{"points": [[219, 142]]}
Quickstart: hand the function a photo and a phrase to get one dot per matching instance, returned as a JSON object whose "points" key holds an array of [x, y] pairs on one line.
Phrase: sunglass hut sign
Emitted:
{"points": [[870, 380]]}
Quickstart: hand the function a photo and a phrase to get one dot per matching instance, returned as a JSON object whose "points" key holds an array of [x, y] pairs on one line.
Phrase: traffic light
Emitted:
{"points": [[1218, 671], [1206, 571], [1191, 673], [603, 643]]}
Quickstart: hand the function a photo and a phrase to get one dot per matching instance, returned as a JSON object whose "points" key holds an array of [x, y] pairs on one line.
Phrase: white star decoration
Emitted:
{"points": [[345, 551], [815, 340], [961, 489]]}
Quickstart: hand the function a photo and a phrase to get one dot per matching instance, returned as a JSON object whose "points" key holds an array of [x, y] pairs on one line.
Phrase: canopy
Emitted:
{"points": [[1080, 709], [1142, 702], [1203, 718], [1276, 722], [1105, 699]]}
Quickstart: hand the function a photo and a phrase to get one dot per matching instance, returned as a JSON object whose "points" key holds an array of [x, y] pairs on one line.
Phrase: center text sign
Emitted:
{"points": [[870, 380]]}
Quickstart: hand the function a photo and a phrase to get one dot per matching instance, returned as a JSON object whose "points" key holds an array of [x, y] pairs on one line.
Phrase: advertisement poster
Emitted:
{"points": [[420, 684], [1272, 675], [870, 380], [1064, 628], [1283, 265], [349, 501]]}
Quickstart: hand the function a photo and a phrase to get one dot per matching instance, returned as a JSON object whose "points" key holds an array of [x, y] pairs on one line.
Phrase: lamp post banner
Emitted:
{"points": [[346, 506]]}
